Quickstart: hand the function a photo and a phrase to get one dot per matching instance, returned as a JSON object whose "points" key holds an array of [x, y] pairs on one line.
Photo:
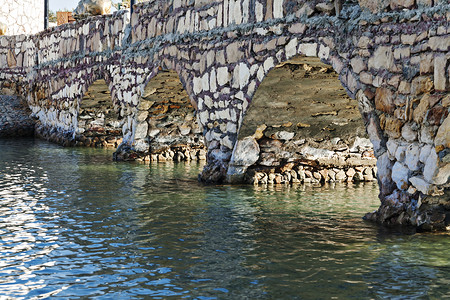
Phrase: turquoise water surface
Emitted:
{"points": [[75, 225]]}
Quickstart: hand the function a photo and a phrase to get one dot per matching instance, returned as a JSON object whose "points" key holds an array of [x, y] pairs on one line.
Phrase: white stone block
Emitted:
{"points": [[277, 8], [208, 102], [205, 82], [291, 48], [227, 142], [420, 184], [237, 12], [203, 117], [324, 52], [244, 75], [431, 166], [308, 49], [213, 81], [268, 64], [392, 148], [400, 175], [412, 157], [197, 85], [223, 76], [259, 10], [383, 58], [425, 152], [400, 153]]}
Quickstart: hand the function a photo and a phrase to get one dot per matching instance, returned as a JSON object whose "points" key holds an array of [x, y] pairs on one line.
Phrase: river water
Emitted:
{"points": [[74, 224]]}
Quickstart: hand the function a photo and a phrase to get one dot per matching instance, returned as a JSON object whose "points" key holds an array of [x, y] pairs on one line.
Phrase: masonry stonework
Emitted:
{"points": [[22, 16], [392, 60]]}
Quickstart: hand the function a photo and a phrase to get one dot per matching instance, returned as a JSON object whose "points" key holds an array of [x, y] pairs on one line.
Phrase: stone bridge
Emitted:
{"points": [[392, 58]]}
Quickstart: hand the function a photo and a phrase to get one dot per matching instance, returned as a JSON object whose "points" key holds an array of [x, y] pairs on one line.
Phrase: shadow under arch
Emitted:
{"points": [[167, 128], [98, 121], [15, 113], [302, 127]]}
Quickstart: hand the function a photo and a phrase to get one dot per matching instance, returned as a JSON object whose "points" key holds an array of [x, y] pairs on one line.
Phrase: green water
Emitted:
{"points": [[75, 225]]}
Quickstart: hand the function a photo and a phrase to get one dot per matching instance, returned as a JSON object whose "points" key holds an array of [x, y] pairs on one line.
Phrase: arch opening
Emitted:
{"points": [[301, 127], [167, 127], [15, 120], [98, 124]]}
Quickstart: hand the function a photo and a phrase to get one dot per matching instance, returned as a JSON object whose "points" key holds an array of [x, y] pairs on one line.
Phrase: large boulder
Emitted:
{"points": [[2, 28], [246, 153], [92, 8]]}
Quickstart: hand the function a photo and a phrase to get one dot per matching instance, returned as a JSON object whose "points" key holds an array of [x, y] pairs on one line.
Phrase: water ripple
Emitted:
{"points": [[75, 225]]}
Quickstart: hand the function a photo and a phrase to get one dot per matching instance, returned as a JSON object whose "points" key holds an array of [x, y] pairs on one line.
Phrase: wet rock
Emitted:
{"points": [[246, 152]]}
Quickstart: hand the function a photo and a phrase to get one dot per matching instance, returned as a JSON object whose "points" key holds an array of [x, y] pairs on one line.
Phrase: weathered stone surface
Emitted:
{"points": [[246, 152], [308, 49], [392, 127], [392, 148], [408, 133], [325, 7], [420, 184], [384, 167], [398, 4], [443, 174], [23, 17], [431, 167], [93, 7], [11, 59], [421, 85], [412, 157], [374, 6], [421, 109], [440, 77], [400, 175], [284, 135], [384, 101], [223, 76], [440, 43], [443, 134], [383, 58], [358, 65]]}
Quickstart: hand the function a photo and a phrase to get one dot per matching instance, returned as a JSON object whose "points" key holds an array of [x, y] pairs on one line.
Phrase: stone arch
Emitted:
{"points": [[99, 123], [300, 117], [166, 126]]}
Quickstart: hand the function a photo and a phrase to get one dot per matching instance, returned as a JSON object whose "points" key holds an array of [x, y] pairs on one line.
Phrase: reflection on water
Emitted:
{"points": [[74, 224]]}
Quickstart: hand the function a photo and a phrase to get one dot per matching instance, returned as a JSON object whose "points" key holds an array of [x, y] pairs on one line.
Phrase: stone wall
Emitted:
{"points": [[22, 16], [378, 6], [394, 64]]}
